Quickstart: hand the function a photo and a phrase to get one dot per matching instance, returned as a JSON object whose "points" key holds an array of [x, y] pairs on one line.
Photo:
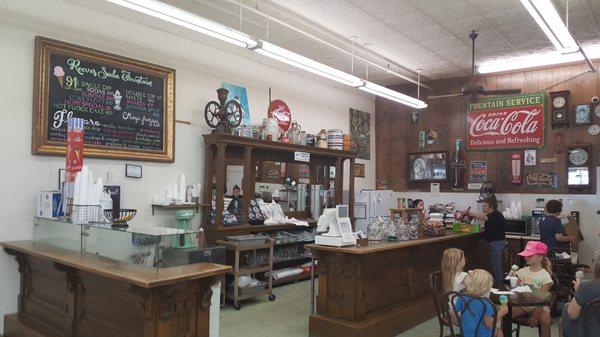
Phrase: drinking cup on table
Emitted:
{"points": [[514, 281]]}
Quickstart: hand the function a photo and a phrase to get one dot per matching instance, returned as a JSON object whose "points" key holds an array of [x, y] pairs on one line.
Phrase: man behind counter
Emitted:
{"points": [[235, 206]]}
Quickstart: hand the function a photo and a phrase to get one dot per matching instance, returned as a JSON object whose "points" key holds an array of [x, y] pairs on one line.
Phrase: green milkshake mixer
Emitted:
{"points": [[183, 221]]}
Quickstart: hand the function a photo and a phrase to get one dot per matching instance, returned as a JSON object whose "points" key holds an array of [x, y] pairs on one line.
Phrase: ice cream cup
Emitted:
{"points": [[514, 281]]}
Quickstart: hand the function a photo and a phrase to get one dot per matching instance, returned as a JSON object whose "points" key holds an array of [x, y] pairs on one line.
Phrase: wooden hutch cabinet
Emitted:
{"points": [[222, 150]]}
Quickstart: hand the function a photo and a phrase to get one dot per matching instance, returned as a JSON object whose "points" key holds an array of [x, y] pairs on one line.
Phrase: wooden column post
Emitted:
{"points": [[339, 181], [248, 180], [221, 176], [208, 179], [351, 190]]}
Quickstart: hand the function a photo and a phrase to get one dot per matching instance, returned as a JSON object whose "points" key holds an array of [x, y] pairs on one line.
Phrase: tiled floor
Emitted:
{"points": [[288, 317]]}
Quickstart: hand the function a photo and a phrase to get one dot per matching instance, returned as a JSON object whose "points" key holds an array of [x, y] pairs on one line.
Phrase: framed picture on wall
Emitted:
{"points": [[583, 114], [428, 166], [359, 170]]}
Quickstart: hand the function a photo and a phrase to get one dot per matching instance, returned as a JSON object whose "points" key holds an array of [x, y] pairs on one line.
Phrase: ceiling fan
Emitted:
{"points": [[473, 91]]}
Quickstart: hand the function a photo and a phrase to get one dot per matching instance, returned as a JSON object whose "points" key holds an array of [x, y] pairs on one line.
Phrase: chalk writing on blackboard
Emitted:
{"points": [[127, 105]]}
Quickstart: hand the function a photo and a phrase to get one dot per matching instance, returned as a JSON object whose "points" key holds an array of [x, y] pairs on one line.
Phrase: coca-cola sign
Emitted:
{"points": [[281, 112], [547, 179], [509, 122]]}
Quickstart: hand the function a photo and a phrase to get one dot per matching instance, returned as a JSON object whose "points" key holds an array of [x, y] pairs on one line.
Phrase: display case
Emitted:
{"points": [[147, 246]]}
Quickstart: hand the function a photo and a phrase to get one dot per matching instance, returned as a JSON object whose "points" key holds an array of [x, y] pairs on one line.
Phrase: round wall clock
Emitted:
{"points": [[559, 102], [578, 156], [419, 167]]}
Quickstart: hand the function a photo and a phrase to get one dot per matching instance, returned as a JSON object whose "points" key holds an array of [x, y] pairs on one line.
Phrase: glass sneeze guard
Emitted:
{"points": [[140, 245]]}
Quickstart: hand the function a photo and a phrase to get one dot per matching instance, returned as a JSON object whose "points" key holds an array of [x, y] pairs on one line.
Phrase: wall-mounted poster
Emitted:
{"points": [[432, 136], [240, 95], [359, 170], [530, 157], [478, 171], [127, 105], [360, 132], [509, 122], [429, 166]]}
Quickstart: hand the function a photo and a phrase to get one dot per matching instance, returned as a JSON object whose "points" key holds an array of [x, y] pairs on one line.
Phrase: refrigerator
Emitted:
{"points": [[369, 204]]}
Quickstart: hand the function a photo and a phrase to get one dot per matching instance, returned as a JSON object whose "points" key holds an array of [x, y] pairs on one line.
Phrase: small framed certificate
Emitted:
{"points": [[133, 171]]}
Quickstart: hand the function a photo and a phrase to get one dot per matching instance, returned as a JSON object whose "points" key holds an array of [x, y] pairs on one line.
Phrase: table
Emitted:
{"points": [[536, 298], [381, 289]]}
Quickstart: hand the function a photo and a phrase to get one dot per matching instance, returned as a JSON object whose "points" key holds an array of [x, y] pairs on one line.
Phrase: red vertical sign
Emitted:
{"points": [[75, 137]]}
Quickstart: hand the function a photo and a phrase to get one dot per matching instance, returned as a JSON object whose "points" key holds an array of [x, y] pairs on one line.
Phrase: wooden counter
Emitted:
{"points": [[382, 289], [66, 293]]}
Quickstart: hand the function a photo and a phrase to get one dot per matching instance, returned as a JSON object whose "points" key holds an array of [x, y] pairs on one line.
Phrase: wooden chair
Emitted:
{"points": [[591, 311], [510, 257], [471, 306], [524, 320], [441, 307]]}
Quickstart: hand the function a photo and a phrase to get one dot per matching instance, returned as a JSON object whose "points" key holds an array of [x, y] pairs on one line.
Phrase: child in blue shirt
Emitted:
{"points": [[478, 284]]}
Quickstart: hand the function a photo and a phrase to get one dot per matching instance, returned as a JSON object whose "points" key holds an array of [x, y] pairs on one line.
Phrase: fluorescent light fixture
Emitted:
{"points": [[390, 94], [536, 60], [188, 20], [299, 61], [546, 16]]}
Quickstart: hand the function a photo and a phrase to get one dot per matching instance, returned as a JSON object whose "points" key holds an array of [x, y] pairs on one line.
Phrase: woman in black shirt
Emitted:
{"points": [[495, 235]]}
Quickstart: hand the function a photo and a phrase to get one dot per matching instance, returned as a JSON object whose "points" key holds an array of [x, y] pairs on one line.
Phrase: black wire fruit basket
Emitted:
{"points": [[119, 217]]}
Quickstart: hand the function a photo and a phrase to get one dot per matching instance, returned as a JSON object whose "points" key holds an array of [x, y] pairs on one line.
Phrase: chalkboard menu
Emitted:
{"points": [[127, 105]]}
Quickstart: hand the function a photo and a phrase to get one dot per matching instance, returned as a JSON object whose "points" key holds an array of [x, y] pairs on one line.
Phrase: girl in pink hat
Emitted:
{"points": [[537, 274]]}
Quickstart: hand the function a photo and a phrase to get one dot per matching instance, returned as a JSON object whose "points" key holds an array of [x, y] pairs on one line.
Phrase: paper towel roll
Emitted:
{"points": [[182, 187]]}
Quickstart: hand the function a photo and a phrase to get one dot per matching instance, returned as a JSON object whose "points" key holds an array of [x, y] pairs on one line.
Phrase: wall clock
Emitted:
{"points": [[579, 166], [559, 101]]}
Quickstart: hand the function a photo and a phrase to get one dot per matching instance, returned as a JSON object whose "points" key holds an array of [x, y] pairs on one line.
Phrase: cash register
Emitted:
{"points": [[334, 228]]}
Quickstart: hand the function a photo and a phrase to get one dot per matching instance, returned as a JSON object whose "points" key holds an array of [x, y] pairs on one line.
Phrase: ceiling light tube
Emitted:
{"points": [[546, 16], [536, 60], [188, 20], [390, 94], [299, 61]]}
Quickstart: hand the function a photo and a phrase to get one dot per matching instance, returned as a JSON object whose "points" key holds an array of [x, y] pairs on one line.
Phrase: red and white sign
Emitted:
{"points": [[516, 162], [281, 112], [506, 123], [75, 138]]}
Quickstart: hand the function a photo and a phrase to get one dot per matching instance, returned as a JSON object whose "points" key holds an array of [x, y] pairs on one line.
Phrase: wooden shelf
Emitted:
{"points": [[293, 259], [294, 243], [277, 146], [290, 279], [262, 228], [250, 270], [182, 206]]}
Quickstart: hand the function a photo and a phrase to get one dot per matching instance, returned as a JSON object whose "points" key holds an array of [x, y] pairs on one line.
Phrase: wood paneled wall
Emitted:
{"points": [[396, 137]]}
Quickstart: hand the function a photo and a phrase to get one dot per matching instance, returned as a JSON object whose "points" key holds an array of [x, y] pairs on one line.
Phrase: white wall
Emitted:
{"points": [[201, 65], [587, 205]]}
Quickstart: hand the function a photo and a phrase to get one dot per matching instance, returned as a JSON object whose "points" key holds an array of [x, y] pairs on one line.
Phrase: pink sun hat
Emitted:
{"points": [[534, 247]]}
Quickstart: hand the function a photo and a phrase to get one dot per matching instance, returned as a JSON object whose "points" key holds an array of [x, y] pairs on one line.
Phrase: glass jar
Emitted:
{"points": [[413, 226], [272, 129], [322, 139], [402, 229], [303, 137], [375, 230], [294, 133], [391, 230]]}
